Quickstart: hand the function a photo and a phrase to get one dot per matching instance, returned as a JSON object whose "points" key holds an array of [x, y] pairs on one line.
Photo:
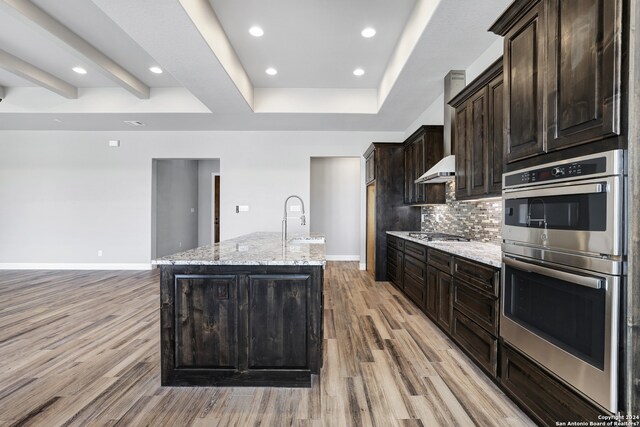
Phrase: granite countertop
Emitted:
{"points": [[486, 253], [261, 248]]}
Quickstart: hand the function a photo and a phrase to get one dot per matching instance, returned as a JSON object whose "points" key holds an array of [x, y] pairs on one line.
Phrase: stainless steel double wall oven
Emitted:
{"points": [[563, 268]]}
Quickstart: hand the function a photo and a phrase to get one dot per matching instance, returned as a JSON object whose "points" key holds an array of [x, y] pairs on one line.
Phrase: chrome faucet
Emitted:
{"points": [[303, 220]]}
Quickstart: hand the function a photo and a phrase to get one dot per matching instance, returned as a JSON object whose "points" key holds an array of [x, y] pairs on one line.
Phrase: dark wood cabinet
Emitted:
{"points": [[583, 71], [445, 310], [543, 397], [278, 321], [524, 71], [431, 297], [495, 147], [563, 79], [206, 313], [422, 150], [480, 345], [479, 135], [415, 279], [370, 167], [385, 163], [240, 325]]}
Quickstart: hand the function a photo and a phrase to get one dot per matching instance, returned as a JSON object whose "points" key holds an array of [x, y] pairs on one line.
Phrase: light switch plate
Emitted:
{"points": [[114, 143]]}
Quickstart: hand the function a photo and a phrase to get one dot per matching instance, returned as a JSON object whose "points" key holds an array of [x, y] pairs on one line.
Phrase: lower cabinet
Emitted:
{"points": [[240, 325], [479, 344], [415, 280], [548, 400], [438, 297]]}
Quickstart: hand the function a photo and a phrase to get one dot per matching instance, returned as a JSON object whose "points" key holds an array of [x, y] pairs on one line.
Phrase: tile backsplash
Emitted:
{"points": [[476, 220]]}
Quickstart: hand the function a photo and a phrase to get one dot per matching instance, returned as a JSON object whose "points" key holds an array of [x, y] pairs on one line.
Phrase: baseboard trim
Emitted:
{"points": [[343, 257], [363, 266], [73, 266]]}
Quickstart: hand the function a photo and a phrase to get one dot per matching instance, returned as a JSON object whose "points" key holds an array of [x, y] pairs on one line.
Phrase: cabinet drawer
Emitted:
{"points": [[395, 242], [480, 276], [440, 260], [545, 397], [415, 268], [478, 343], [416, 250], [479, 307]]}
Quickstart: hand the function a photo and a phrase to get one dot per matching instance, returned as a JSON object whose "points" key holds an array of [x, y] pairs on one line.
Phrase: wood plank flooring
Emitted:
{"points": [[82, 348]]}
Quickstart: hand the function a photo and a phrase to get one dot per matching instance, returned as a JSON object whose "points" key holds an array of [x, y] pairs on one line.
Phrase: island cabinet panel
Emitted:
{"points": [[278, 321], [206, 322], [240, 325]]}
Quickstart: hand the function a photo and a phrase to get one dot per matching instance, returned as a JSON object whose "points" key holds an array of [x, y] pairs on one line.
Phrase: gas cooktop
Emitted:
{"points": [[438, 237]]}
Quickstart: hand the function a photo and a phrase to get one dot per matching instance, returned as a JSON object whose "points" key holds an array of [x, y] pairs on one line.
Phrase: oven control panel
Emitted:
{"points": [[570, 169]]}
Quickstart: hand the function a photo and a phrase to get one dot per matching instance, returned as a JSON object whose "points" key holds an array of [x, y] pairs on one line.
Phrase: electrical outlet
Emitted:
{"points": [[242, 208], [100, 253], [179, 244], [193, 210]]}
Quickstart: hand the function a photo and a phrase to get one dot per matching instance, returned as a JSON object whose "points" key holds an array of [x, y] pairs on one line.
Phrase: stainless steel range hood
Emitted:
{"points": [[443, 171]]}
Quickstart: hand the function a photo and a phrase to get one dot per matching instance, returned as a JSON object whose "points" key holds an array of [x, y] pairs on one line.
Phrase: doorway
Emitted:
{"points": [[185, 204]]}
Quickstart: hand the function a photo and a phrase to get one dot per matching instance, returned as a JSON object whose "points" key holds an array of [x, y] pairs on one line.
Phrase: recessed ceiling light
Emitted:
{"points": [[156, 70], [134, 123], [358, 72], [256, 31], [57, 120], [79, 70], [368, 32], [271, 71]]}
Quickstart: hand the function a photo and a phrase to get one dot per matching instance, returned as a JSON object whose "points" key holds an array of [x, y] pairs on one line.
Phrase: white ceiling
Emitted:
{"points": [[219, 74]]}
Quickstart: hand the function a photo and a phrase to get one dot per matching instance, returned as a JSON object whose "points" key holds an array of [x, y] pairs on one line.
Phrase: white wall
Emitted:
{"points": [[205, 192], [64, 195], [335, 205], [176, 209]]}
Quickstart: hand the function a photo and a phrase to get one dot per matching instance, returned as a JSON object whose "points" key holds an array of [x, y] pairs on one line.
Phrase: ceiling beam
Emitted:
{"points": [[35, 75], [42, 21]]}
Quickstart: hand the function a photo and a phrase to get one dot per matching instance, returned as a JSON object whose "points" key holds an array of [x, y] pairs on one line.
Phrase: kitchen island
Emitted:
{"points": [[243, 312]]}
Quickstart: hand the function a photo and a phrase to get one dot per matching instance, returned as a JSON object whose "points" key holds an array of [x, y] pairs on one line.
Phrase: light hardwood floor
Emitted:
{"points": [[82, 348]]}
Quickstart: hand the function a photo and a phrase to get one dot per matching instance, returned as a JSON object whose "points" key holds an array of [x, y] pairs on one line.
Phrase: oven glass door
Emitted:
{"points": [[579, 217], [566, 319], [555, 307]]}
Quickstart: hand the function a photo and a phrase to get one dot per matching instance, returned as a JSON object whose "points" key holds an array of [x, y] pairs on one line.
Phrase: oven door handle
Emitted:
{"points": [[589, 282], [600, 187]]}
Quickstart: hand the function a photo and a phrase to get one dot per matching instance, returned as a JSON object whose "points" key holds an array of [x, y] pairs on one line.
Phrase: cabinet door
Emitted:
{"points": [[408, 174], [583, 71], [419, 168], [496, 135], [461, 146], [444, 301], [206, 322], [431, 299], [477, 143], [370, 168], [524, 52], [478, 343], [414, 280], [278, 321]]}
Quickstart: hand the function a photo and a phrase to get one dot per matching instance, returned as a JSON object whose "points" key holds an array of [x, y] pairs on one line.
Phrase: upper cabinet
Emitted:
{"points": [[422, 150], [479, 135], [562, 76]]}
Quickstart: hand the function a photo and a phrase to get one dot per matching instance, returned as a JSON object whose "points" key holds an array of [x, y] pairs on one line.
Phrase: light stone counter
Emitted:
{"points": [[261, 248], [486, 253]]}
